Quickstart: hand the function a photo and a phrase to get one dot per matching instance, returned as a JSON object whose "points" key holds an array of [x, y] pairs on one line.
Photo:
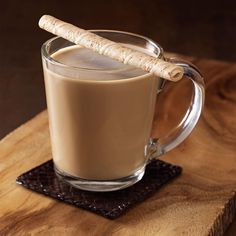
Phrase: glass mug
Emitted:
{"points": [[100, 129]]}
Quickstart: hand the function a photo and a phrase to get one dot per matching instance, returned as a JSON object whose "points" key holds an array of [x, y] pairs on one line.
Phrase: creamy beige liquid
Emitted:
{"points": [[100, 121]]}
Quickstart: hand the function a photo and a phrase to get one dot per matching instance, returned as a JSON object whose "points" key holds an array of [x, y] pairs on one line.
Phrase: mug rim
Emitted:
{"points": [[46, 55]]}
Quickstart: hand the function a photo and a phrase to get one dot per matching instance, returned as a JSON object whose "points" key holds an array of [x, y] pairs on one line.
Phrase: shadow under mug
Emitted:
{"points": [[100, 129]]}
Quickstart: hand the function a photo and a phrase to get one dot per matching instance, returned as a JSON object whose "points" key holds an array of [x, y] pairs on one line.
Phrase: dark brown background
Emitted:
{"points": [[197, 28]]}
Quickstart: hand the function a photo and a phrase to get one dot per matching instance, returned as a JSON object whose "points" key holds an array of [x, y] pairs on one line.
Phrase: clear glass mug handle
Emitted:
{"points": [[159, 146]]}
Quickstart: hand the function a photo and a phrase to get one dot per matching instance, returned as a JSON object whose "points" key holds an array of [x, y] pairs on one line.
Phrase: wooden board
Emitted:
{"points": [[200, 202]]}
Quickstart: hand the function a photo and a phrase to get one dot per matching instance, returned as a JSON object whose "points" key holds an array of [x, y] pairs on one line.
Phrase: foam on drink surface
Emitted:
{"points": [[94, 63]]}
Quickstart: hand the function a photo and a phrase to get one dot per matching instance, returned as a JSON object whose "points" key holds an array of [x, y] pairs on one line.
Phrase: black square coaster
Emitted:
{"points": [[42, 179]]}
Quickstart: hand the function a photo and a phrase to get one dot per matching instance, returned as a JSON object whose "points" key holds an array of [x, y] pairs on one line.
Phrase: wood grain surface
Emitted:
{"points": [[200, 202], [200, 29]]}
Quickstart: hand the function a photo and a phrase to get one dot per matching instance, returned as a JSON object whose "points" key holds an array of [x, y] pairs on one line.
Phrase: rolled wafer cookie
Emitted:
{"points": [[106, 47]]}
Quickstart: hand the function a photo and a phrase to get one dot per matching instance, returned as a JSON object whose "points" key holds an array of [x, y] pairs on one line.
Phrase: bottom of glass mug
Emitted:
{"points": [[100, 185]]}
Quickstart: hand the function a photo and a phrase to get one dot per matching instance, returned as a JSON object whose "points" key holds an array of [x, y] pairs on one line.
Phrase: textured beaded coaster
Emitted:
{"points": [[42, 179]]}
